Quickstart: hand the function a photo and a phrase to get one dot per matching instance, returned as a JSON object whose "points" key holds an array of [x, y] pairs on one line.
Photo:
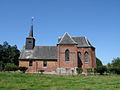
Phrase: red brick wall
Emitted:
{"points": [[92, 58], [61, 56], [73, 57], [52, 65], [38, 65]]}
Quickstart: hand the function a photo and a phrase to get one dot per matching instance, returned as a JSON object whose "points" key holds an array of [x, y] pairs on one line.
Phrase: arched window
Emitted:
{"points": [[86, 57], [79, 55], [79, 59], [67, 55]]}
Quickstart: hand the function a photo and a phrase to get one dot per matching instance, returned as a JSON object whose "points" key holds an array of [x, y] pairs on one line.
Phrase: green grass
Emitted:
{"points": [[10, 81]]}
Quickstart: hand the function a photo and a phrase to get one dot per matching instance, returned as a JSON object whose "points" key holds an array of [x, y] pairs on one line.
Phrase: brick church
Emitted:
{"points": [[68, 54]]}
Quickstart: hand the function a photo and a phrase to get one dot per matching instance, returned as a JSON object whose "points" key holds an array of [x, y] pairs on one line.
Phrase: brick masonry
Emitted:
{"points": [[60, 63]]}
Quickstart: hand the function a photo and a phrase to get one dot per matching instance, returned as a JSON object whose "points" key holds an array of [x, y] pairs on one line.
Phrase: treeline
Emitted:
{"points": [[8, 57], [110, 68]]}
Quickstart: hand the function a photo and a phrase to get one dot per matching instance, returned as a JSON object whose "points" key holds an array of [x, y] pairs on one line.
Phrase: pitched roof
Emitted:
{"points": [[66, 39], [40, 52], [81, 41]]}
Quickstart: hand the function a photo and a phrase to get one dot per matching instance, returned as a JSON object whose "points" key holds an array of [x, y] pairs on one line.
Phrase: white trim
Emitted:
{"points": [[87, 41], [64, 36], [71, 38]]}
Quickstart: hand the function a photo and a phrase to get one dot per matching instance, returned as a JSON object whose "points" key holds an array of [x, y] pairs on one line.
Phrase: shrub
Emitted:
{"points": [[115, 70], [11, 67], [23, 69], [79, 70], [101, 70], [90, 70], [41, 71]]}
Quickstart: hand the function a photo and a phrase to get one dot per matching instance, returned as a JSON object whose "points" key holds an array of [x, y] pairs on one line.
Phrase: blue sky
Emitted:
{"points": [[99, 20]]}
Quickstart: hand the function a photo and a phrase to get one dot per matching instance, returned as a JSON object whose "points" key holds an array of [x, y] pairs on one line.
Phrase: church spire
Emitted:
{"points": [[30, 41], [31, 29]]}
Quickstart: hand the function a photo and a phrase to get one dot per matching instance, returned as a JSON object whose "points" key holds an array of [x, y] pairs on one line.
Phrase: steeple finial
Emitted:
{"points": [[31, 29]]}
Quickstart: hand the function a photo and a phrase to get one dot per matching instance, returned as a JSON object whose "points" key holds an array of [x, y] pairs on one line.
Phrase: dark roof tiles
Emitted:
{"points": [[40, 52], [50, 52], [67, 39]]}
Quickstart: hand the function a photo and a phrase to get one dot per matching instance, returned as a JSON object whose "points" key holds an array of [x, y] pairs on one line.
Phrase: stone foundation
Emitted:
{"points": [[66, 71]]}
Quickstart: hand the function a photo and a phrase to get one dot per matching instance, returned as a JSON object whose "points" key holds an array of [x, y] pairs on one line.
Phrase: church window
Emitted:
{"points": [[79, 59], [44, 63], [30, 63], [86, 57], [67, 55]]}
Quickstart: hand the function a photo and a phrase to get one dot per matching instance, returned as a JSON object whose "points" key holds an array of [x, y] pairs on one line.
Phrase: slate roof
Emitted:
{"points": [[40, 52], [50, 52], [66, 39], [80, 41]]}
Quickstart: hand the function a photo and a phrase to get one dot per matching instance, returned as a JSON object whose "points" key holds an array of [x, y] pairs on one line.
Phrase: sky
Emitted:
{"points": [[98, 20]]}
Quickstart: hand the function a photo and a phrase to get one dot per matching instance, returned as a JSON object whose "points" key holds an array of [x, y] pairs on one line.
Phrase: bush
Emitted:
{"points": [[79, 70], [11, 67], [114, 70], [23, 69], [41, 71], [101, 70], [90, 69]]}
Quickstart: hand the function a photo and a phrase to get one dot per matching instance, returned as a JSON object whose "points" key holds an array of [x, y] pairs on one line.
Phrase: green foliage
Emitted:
{"points": [[23, 69], [79, 70], [9, 54], [11, 67], [90, 69], [98, 63], [101, 70], [41, 71], [2, 65], [114, 67], [116, 62], [114, 70]]}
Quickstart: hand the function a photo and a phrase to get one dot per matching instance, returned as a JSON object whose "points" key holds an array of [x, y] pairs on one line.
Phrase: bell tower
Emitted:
{"points": [[30, 41]]}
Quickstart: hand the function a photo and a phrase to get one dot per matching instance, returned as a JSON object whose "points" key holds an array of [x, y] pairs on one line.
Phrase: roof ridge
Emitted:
{"points": [[87, 41], [78, 36], [62, 37], [72, 39], [65, 36]]}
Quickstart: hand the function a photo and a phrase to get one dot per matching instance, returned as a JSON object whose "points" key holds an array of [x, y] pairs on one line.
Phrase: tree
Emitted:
{"points": [[116, 62], [98, 63], [8, 54], [116, 65]]}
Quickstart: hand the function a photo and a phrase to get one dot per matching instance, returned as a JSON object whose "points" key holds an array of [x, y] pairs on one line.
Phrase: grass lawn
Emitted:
{"points": [[10, 81]]}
